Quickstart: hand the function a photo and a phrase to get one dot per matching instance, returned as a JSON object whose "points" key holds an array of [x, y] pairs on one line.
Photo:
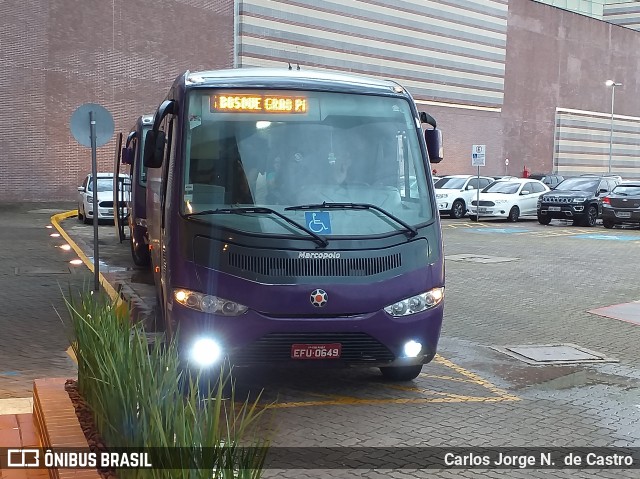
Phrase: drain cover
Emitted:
{"points": [[554, 354], [478, 258], [37, 271]]}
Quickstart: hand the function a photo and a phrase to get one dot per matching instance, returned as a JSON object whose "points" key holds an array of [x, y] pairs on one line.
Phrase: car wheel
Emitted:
{"points": [[591, 217], [80, 215], [401, 373], [458, 209], [608, 224], [544, 220], [85, 220], [514, 214], [473, 217]]}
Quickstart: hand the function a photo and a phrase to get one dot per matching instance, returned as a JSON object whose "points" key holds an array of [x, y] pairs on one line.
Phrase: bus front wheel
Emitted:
{"points": [[401, 373]]}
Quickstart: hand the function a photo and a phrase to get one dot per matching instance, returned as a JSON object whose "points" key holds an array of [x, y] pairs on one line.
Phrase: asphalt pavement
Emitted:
{"points": [[557, 290], [35, 277]]}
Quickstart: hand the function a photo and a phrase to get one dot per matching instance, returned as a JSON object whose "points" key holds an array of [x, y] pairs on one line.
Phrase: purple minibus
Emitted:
{"points": [[135, 194], [292, 220]]}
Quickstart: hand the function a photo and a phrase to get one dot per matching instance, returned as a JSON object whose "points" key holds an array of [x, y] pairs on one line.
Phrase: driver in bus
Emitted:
{"points": [[339, 166]]}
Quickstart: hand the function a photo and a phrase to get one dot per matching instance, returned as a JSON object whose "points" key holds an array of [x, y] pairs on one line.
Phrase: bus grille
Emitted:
{"points": [[356, 347], [270, 266]]}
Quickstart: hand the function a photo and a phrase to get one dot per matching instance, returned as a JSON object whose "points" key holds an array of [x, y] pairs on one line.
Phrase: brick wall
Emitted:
{"points": [[123, 54]]}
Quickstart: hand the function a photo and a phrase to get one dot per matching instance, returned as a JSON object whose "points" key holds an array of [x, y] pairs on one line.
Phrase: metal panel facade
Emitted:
{"points": [[453, 52], [582, 143]]}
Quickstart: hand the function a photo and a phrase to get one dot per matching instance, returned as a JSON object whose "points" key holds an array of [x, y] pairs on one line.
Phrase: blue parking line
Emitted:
{"points": [[499, 230], [607, 237]]}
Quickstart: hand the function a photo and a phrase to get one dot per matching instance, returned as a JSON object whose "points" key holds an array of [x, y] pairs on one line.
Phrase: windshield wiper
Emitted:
{"points": [[321, 241], [356, 206]]}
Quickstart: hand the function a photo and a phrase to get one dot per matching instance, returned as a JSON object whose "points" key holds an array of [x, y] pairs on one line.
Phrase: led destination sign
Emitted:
{"points": [[258, 104]]}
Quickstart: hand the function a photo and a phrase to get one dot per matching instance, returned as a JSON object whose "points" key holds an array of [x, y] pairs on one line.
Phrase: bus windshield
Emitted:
{"points": [[139, 164], [281, 150]]}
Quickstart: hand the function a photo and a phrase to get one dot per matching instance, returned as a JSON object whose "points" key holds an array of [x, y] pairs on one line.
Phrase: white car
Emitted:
{"points": [[105, 197], [455, 192], [509, 199]]}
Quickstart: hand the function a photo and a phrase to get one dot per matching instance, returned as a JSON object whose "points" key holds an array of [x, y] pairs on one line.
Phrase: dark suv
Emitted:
{"points": [[578, 199], [551, 180]]}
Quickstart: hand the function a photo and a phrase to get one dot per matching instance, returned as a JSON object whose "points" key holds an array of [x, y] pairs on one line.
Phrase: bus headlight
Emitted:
{"points": [[205, 352], [208, 303], [417, 303]]}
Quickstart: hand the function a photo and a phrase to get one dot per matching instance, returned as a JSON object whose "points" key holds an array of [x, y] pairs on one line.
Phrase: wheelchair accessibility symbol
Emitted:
{"points": [[318, 221]]}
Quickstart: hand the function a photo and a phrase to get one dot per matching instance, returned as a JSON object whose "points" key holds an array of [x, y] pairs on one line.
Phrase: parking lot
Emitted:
{"points": [[538, 348]]}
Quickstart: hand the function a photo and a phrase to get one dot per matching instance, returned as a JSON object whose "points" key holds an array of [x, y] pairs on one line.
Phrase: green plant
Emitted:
{"points": [[137, 395]]}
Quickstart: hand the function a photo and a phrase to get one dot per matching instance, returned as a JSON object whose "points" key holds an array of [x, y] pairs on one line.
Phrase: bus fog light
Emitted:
{"points": [[417, 303], [412, 349], [205, 352]]}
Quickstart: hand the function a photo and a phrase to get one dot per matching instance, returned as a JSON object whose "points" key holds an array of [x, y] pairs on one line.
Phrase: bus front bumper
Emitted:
{"points": [[372, 339]]}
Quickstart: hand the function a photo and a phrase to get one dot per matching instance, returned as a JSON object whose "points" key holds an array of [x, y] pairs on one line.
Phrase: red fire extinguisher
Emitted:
{"points": [[525, 172]]}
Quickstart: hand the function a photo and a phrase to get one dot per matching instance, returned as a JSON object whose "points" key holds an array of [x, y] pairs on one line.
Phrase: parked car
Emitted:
{"points": [[578, 199], [454, 192], [505, 177], [622, 205], [105, 197], [508, 199], [549, 179]]}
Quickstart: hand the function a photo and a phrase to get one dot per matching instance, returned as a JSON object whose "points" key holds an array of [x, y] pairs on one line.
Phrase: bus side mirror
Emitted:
{"points": [[154, 148], [127, 156], [433, 139]]}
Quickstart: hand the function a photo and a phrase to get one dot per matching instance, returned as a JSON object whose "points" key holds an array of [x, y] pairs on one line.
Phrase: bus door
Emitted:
{"points": [[121, 189]]}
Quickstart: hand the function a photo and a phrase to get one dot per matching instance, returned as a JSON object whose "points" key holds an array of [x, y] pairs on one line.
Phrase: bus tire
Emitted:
{"points": [[401, 373], [140, 255]]}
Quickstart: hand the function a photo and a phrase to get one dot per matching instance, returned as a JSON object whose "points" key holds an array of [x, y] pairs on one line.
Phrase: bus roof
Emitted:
{"points": [[295, 79]]}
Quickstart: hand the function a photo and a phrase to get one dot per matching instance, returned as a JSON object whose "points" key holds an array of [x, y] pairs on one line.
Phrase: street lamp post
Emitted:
{"points": [[613, 85]]}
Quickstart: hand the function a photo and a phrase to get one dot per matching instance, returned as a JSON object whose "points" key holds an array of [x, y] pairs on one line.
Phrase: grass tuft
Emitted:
{"points": [[137, 395]]}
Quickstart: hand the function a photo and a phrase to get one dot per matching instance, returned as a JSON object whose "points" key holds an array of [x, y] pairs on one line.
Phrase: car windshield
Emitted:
{"points": [[627, 190], [326, 148], [450, 183], [104, 184], [578, 184], [504, 187]]}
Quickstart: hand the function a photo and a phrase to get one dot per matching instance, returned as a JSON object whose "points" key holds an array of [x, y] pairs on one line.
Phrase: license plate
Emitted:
{"points": [[316, 351], [555, 208], [623, 214], [482, 210]]}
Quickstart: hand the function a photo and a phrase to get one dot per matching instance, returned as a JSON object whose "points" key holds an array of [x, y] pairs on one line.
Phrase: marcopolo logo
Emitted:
{"points": [[322, 255]]}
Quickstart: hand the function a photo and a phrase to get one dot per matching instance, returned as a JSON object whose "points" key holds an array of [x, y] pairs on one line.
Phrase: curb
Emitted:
{"points": [[55, 221], [57, 425]]}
